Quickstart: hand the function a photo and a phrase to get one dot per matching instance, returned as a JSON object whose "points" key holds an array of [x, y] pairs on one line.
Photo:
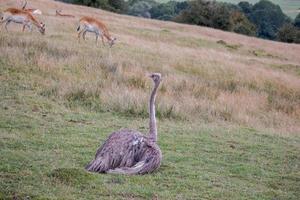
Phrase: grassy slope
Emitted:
{"points": [[48, 131]]}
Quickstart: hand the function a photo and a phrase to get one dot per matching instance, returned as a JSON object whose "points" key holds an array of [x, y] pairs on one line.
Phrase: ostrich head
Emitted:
{"points": [[112, 41], [156, 77]]}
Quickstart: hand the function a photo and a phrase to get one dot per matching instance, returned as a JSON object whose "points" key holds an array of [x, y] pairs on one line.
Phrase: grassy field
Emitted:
{"points": [[289, 7], [228, 110]]}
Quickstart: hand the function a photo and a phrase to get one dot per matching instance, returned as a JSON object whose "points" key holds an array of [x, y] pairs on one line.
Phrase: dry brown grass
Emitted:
{"points": [[242, 80]]}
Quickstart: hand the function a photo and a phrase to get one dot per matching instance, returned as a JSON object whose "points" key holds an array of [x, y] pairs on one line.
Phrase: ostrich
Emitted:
{"points": [[128, 151]]}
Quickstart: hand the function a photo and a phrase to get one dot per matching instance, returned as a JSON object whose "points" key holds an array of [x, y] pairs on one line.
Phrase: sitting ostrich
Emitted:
{"points": [[128, 151]]}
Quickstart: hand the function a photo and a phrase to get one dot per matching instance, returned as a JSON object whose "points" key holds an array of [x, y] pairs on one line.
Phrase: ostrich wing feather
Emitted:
{"points": [[123, 148], [150, 162]]}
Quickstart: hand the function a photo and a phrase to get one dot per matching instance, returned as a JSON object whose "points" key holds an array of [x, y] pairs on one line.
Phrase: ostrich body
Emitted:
{"points": [[128, 151]]}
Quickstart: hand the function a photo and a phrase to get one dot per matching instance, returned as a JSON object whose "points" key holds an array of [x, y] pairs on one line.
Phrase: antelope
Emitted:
{"points": [[58, 13], [89, 24], [21, 17], [31, 10]]}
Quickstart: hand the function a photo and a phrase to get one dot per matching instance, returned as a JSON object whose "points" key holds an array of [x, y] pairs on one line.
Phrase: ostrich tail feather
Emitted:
{"points": [[142, 167], [136, 169], [96, 165]]}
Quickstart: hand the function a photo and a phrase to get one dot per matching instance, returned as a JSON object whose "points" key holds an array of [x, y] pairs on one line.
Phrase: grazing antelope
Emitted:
{"points": [[21, 17], [31, 10], [58, 13], [89, 24]]}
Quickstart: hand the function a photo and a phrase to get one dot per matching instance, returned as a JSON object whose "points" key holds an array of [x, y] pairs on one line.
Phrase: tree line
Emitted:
{"points": [[263, 19]]}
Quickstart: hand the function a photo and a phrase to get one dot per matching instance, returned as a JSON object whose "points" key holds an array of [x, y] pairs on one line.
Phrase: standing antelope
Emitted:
{"points": [[21, 17], [89, 24]]}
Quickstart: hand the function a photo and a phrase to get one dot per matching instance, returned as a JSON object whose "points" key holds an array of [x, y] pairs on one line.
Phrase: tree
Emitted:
{"points": [[180, 6], [163, 11], [119, 6], [218, 15], [289, 33], [167, 11], [268, 18], [111, 5], [140, 8], [245, 7], [206, 13], [297, 21], [92, 3], [241, 24], [221, 16]]}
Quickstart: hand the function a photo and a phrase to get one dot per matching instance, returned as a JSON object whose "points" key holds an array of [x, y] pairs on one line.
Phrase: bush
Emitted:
{"points": [[111, 5], [119, 6], [268, 18], [206, 13], [217, 15], [167, 11], [141, 8], [289, 33], [241, 24], [245, 7]]}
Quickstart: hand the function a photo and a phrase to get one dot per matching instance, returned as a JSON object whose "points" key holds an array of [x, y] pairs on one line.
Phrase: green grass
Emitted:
{"points": [[45, 144], [287, 68]]}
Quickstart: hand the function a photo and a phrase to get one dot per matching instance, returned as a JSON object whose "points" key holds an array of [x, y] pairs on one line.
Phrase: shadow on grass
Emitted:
{"points": [[72, 176]]}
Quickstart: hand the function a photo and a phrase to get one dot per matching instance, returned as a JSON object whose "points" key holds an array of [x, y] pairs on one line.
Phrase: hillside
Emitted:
{"points": [[228, 109]]}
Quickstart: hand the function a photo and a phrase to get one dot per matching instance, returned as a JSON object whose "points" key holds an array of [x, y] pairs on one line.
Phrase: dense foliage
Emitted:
{"points": [[297, 21], [263, 19], [206, 13], [268, 18], [241, 24], [289, 33], [167, 11], [217, 15], [140, 8], [119, 6]]}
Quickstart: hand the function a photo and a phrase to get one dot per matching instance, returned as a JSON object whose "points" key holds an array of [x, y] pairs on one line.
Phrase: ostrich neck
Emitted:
{"points": [[152, 123]]}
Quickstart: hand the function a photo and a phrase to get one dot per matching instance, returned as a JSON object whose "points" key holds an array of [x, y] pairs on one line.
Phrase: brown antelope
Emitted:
{"points": [[58, 13], [21, 17], [31, 10], [89, 24]]}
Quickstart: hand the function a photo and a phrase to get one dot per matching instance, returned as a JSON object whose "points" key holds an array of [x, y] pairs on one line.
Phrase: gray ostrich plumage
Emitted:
{"points": [[128, 151]]}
